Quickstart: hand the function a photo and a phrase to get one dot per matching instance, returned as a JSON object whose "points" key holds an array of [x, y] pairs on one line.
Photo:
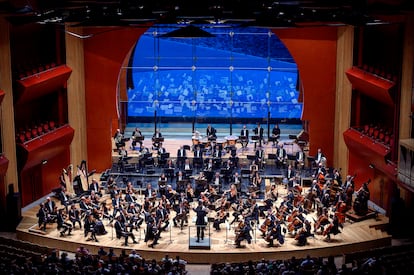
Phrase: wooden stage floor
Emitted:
{"points": [[355, 236]]}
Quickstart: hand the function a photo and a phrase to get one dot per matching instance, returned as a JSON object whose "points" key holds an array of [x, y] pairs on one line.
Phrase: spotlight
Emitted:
{"points": [[372, 166], [44, 162]]}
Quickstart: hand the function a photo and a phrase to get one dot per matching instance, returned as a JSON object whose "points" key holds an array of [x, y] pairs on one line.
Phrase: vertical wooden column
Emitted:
{"points": [[7, 107], [343, 97], [407, 79], [76, 95]]}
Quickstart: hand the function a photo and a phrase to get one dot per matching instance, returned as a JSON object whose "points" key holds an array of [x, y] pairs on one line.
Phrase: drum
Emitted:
{"points": [[195, 140], [205, 141], [231, 140], [221, 141]]}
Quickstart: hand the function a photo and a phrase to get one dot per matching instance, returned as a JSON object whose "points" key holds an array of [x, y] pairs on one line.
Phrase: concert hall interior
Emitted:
{"points": [[217, 132]]}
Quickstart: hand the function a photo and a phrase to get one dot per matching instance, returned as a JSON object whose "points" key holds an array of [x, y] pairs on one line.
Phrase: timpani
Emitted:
{"points": [[231, 140]]}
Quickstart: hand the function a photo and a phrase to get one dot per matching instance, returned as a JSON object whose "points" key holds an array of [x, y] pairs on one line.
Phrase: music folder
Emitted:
{"points": [[271, 156], [251, 157], [169, 171], [255, 137], [165, 155]]}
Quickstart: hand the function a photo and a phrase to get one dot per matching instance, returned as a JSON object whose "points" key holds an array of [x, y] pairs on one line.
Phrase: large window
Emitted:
{"points": [[240, 73]]}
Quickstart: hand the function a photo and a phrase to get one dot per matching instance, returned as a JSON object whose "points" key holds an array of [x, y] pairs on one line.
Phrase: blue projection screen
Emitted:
{"points": [[231, 75]]}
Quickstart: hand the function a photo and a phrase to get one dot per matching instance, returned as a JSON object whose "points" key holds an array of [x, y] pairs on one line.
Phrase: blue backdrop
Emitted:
{"points": [[243, 74]]}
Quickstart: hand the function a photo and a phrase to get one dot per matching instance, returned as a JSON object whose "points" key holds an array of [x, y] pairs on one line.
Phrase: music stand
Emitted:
{"points": [[188, 172], [169, 172], [165, 156], [251, 157]]}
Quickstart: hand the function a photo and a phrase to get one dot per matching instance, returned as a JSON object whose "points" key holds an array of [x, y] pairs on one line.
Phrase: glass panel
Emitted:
{"points": [[238, 76]]}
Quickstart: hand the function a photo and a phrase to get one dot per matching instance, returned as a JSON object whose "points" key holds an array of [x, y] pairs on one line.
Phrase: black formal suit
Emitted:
{"points": [[201, 213], [244, 137], [121, 231], [211, 133], [281, 157], [299, 159], [198, 158], [258, 131], [181, 157]]}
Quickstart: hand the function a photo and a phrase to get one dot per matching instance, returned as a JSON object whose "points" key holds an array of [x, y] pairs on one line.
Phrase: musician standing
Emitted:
{"points": [[276, 134], [258, 131], [198, 157], [244, 136], [300, 159], [201, 212], [320, 157], [181, 157], [290, 176], [281, 156]]}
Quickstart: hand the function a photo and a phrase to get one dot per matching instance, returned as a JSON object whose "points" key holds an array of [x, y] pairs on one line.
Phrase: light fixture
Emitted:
{"points": [[372, 166], [44, 162]]}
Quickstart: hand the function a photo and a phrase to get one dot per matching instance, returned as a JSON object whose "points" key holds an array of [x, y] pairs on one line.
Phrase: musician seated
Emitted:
{"points": [[211, 133], [65, 199], [217, 156], [119, 139], [157, 139], [162, 156], [123, 159], [90, 227], [152, 231], [150, 192], [121, 231], [136, 137], [181, 216], [243, 233], [221, 217], [217, 181], [274, 232], [95, 186], [188, 167], [162, 184]]}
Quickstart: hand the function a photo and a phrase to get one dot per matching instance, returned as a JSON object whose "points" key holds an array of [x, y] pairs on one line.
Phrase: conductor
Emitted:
{"points": [[201, 212]]}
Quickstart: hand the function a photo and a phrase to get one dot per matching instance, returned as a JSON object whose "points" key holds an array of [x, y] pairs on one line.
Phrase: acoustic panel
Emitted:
{"points": [[42, 83], [45, 147], [372, 85]]}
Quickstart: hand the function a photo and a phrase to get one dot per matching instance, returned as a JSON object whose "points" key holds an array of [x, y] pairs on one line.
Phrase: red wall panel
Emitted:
{"points": [[104, 56], [314, 50]]}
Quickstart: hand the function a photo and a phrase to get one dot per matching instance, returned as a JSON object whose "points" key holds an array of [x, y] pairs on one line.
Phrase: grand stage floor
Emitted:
{"points": [[218, 246]]}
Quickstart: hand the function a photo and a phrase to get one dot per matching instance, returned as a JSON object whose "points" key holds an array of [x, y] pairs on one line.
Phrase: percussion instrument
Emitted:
{"points": [[205, 141], [231, 140], [195, 140]]}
